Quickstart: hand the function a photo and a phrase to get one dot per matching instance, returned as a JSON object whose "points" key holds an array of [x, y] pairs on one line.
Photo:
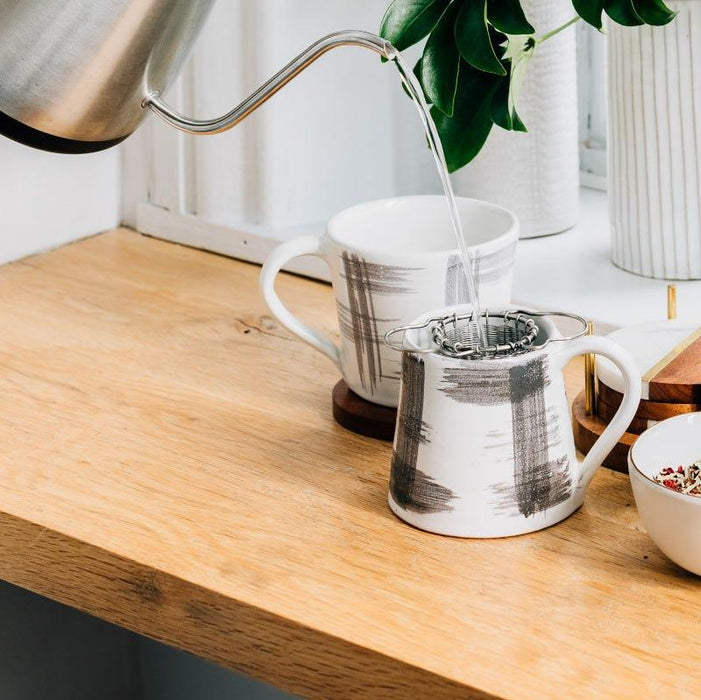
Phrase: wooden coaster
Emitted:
{"points": [[588, 429], [360, 416]]}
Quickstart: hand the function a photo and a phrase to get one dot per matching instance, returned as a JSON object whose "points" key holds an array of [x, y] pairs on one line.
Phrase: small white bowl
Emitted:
{"points": [[673, 520]]}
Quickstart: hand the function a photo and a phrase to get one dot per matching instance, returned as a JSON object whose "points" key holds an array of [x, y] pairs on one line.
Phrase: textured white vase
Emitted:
{"points": [[655, 145], [536, 175]]}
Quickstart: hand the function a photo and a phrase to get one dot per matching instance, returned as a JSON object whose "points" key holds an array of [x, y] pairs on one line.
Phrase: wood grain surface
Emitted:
{"points": [[680, 379], [170, 463]]}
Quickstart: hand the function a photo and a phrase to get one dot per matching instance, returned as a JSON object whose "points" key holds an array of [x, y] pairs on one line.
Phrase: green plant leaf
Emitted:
{"points": [[519, 53], [508, 17], [464, 134], [623, 12], [518, 125], [503, 107], [474, 40], [590, 11], [499, 108], [440, 65], [653, 12], [407, 22]]}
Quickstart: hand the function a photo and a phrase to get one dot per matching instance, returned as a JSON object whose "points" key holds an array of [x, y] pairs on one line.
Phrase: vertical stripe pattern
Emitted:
{"points": [[654, 79], [540, 481], [359, 322], [410, 487]]}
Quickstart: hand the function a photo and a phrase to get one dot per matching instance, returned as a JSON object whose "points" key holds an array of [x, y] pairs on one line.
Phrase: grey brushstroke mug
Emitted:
{"points": [[391, 260], [484, 447]]}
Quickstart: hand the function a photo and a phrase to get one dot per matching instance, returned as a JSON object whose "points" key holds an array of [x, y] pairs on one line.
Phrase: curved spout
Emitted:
{"points": [[267, 90]]}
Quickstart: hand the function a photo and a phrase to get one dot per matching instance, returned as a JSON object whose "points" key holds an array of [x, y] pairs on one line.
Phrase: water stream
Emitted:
{"points": [[414, 89]]}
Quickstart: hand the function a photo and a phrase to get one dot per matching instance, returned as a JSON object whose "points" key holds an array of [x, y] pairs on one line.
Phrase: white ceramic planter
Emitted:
{"points": [[536, 175], [654, 79]]}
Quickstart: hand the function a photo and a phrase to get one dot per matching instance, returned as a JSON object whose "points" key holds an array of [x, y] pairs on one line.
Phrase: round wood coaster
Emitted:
{"points": [[668, 355], [360, 416], [649, 410], [588, 429]]}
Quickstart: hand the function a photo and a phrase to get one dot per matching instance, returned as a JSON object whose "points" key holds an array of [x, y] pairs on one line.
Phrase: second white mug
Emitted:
{"points": [[390, 261]]}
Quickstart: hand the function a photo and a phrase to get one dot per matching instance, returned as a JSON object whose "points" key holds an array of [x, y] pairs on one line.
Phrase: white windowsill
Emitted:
{"points": [[568, 272], [573, 272]]}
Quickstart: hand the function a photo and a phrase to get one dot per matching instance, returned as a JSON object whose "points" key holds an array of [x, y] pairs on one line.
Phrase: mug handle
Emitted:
{"points": [[629, 405], [305, 245]]}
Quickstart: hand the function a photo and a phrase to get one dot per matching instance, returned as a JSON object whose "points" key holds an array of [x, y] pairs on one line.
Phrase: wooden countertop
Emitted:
{"points": [[170, 464]]}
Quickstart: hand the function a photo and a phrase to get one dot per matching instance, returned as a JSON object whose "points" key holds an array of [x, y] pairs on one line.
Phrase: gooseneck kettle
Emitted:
{"points": [[77, 76]]}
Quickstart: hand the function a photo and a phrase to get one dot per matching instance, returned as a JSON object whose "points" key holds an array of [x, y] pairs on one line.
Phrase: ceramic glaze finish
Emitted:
{"points": [[390, 261], [673, 520], [484, 448], [654, 145], [536, 174]]}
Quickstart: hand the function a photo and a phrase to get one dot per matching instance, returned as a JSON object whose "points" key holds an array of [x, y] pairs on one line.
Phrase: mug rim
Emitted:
{"points": [[495, 243]]}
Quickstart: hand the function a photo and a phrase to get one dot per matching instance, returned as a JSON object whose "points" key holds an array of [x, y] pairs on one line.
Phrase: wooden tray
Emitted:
{"points": [[648, 410], [606, 413], [668, 355]]}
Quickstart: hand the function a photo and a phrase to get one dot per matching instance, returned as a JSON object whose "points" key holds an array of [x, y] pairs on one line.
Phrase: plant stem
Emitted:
{"points": [[551, 34]]}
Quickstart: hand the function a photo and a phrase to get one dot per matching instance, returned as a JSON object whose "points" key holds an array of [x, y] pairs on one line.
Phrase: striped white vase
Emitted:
{"points": [[655, 145], [536, 175]]}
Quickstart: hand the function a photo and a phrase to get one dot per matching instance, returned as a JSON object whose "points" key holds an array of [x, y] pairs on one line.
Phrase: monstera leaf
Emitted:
{"points": [[476, 54]]}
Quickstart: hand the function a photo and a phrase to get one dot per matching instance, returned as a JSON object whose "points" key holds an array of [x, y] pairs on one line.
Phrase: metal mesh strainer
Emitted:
{"points": [[507, 333]]}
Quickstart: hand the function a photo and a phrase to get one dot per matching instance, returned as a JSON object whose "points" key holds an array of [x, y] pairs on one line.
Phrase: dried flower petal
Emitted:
{"points": [[682, 479]]}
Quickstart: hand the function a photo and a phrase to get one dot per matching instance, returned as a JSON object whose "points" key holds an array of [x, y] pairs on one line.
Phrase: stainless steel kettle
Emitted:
{"points": [[76, 76]]}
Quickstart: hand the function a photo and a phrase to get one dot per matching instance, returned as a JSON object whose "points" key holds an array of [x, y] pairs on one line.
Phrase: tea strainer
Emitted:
{"points": [[507, 333]]}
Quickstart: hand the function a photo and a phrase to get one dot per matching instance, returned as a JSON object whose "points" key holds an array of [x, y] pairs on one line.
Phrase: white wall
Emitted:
{"points": [[48, 199], [325, 142]]}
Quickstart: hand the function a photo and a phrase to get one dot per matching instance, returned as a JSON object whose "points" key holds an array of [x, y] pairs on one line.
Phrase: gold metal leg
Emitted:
{"points": [[590, 379], [671, 302]]}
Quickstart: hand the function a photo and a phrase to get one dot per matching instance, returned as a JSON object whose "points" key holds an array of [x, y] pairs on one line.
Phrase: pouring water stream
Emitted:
{"points": [[414, 88]]}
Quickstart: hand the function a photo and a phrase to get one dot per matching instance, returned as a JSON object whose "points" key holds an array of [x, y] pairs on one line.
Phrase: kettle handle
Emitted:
{"points": [[629, 405]]}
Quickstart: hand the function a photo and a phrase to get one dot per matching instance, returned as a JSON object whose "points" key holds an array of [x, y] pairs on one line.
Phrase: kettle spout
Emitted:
{"points": [[227, 121]]}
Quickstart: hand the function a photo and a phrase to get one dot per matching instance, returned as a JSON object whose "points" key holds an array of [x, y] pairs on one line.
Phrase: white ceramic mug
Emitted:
{"points": [[390, 260], [484, 448]]}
